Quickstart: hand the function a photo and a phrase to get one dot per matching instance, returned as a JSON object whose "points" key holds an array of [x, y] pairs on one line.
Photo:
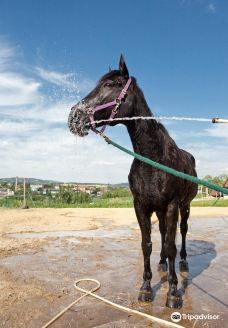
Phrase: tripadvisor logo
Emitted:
{"points": [[176, 316]]}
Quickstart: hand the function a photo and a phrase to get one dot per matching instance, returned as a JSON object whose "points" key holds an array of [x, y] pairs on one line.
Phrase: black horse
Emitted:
{"points": [[153, 190]]}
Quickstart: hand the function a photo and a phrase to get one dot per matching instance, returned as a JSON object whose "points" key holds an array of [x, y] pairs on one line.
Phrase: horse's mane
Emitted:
{"points": [[156, 124], [163, 128], [115, 73], [110, 75]]}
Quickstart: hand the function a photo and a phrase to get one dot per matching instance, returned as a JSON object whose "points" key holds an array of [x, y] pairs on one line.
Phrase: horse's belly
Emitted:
{"points": [[156, 189]]}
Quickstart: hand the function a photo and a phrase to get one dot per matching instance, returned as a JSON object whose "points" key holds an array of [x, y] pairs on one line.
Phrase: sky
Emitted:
{"points": [[52, 52]]}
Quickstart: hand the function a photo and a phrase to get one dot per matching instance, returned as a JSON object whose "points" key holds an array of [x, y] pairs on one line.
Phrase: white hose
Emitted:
{"points": [[120, 307]]}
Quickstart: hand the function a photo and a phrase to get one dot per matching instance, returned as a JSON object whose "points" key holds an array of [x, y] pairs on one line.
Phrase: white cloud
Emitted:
{"points": [[209, 159], [207, 5], [211, 8], [218, 131], [209, 147], [12, 128], [6, 53], [35, 140], [59, 155], [68, 80], [56, 77], [16, 89]]}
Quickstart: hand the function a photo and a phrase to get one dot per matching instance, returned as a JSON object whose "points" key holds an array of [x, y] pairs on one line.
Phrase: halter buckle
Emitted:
{"points": [[118, 103], [90, 111]]}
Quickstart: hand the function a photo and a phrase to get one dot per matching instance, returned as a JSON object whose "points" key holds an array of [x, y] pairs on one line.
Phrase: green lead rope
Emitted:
{"points": [[168, 169]]}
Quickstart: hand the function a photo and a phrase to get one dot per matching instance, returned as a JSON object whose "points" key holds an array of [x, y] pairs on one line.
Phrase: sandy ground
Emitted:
{"points": [[42, 252]]}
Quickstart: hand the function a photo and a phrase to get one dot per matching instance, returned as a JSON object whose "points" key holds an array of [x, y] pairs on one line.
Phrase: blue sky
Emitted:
{"points": [[53, 52]]}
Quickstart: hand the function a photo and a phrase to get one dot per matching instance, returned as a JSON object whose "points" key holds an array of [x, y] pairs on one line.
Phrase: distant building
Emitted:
{"points": [[36, 187], [3, 192], [44, 189], [6, 192], [10, 192], [50, 191]]}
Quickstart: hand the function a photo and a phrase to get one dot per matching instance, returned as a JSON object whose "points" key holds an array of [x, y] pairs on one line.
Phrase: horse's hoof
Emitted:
{"points": [[174, 302], [183, 266], [163, 267], [145, 295]]}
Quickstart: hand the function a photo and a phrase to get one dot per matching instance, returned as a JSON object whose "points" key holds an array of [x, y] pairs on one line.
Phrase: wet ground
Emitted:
{"points": [[37, 278]]}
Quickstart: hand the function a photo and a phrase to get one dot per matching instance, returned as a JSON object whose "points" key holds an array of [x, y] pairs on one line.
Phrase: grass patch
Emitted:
{"points": [[115, 202], [211, 202]]}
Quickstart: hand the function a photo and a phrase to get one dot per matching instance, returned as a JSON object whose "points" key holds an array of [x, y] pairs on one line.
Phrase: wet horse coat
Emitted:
{"points": [[153, 190]]}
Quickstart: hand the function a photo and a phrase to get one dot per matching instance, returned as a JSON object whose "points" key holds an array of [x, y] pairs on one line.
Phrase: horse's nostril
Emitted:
{"points": [[78, 122]]}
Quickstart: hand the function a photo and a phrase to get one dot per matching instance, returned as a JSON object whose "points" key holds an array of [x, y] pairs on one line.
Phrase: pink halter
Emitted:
{"points": [[117, 102]]}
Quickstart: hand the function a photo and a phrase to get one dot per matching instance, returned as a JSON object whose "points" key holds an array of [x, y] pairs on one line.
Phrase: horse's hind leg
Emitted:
{"points": [[173, 297], [184, 212], [162, 266], [143, 216]]}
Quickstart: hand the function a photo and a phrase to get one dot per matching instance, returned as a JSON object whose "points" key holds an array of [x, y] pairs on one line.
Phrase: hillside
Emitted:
{"points": [[42, 181], [28, 180]]}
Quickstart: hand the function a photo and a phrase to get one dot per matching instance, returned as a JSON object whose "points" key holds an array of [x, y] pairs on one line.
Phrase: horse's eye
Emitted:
{"points": [[109, 84]]}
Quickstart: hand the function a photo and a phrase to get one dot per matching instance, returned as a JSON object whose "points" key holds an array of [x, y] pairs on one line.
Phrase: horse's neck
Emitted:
{"points": [[146, 136]]}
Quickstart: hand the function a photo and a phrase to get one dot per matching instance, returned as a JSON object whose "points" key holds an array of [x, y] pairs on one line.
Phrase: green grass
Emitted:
{"points": [[211, 202], [116, 202], [112, 202]]}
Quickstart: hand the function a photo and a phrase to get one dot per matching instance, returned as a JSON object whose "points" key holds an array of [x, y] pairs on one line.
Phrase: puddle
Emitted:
{"points": [[43, 281], [96, 233]]}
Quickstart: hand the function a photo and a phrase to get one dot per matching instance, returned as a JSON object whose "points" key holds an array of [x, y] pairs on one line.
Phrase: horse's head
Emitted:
{"points": [[112, 97]]}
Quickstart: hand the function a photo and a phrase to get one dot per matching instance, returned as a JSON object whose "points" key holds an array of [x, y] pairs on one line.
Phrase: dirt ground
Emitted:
{"points": [[43, 251]]}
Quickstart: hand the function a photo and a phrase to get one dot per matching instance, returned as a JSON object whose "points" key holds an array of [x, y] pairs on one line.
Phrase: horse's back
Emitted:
{"points": [[190, 157]]}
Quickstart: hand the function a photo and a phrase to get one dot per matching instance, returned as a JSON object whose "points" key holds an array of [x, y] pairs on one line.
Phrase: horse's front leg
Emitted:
{"points": [[173, 297], [144, 220]]}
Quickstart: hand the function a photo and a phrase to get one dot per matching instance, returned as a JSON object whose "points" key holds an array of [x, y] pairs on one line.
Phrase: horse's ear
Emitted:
{"points": [[109, 69], [123, 67]]}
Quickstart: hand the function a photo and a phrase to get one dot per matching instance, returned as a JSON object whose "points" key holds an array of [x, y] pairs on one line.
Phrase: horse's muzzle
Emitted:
{"points": [[78, 121]]}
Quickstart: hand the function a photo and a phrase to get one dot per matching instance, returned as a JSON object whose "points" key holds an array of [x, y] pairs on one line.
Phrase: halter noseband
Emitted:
{"points": [[117, 102]]}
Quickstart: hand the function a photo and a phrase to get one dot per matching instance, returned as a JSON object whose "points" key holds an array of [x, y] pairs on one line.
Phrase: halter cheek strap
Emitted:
{"points": [[115, 103]]}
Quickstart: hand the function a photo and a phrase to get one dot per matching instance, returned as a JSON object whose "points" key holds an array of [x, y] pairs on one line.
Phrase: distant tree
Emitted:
{"points": [[223, 177], [4, 184], [216, 180], [208, 178], [219, 180], [71, 197], [117, 192]]}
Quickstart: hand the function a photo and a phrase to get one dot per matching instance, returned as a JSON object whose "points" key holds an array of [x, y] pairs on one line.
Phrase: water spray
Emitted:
{"points": [[161, 118]]}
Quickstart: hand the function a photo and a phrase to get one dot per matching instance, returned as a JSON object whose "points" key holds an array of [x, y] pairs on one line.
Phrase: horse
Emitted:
{"points": [[117, 95]]}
